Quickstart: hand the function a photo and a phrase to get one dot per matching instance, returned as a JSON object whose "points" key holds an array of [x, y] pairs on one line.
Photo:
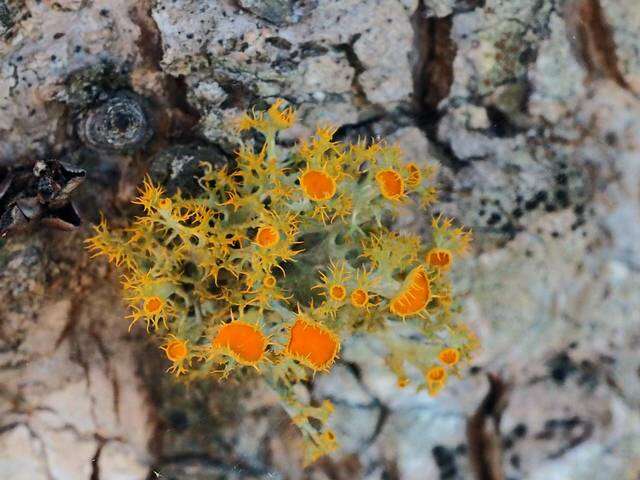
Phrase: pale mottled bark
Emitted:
{"points": [[531, 108]]}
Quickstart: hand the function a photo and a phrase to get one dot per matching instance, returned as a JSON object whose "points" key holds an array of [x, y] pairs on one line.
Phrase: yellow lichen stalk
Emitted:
{"points": [[277, 260]]}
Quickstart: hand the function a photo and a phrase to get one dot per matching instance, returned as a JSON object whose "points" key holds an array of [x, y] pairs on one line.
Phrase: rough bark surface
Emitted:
{"points": [[532, 108]]}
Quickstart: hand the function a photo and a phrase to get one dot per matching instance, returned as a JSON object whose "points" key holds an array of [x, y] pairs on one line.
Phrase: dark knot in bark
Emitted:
{"points": [[120, 124]]}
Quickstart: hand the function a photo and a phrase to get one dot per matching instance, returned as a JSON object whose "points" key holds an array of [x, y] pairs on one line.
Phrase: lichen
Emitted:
{"points": [[212, 274]]}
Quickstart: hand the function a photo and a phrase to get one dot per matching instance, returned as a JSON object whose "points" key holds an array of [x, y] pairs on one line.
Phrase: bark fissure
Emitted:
{"points": [[483, 432], [592, 40], [435, 52], [358, 67]]}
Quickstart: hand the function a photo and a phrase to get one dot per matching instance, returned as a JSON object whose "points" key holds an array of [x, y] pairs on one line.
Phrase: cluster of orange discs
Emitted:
{"points": [[309, 342]]}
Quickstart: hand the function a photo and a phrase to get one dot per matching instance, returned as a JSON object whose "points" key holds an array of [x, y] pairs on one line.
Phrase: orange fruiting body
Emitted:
{"points": [[312, 344], [338, 292], [165, 203], [282, 119], [403, 382], [269, 281], [390, 183], [243, 341], [176, 350], [449, 356], [436, 378], [318, 185], [267, 237], [414, 175], [359, 298], [153, 305], [414, 295], [440, 258], [436, 374]]}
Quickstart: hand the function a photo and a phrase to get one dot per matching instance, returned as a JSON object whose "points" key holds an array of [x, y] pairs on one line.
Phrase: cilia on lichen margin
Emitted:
{"points": [[222, 277]]}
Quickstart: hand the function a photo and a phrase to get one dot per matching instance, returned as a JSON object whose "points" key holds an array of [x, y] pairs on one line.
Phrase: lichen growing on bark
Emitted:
{"points": [[211, 274]]}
